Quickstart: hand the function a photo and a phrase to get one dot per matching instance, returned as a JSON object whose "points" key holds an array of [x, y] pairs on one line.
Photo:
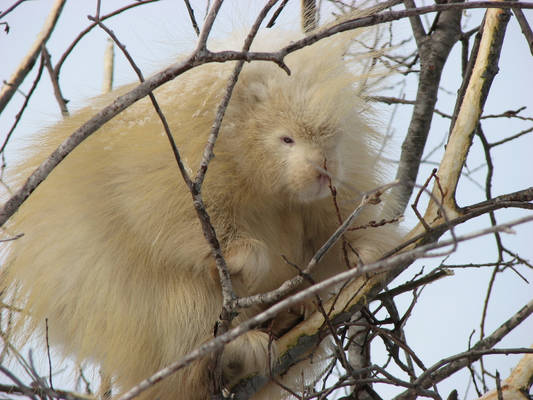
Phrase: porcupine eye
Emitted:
{"points": [[287, 140]]}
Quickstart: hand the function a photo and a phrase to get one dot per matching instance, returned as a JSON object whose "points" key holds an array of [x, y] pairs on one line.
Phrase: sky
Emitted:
{"points": [[448, 310]]}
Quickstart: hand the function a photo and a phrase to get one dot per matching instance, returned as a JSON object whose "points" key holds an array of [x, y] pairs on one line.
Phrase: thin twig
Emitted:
{"points": [[524, 26], [49, 356], [55, 83], [414, 206], [395, 100], [407, 287], [276, 14], [521, 133], [23, 108], [191, 16], [11, 8], [515, 199]]}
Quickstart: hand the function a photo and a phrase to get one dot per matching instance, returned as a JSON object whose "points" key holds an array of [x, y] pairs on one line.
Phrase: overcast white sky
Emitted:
{"points": [[449, 310]]}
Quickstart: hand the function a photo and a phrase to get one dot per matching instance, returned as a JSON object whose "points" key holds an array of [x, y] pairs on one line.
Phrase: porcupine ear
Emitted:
{"points": [[257, 91], [257, 83]]}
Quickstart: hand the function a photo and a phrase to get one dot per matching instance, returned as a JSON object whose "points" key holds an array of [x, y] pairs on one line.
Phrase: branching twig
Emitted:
{"points": [[516, 199], [55, 83], [407, 287], [450, 365], [395, 100]]}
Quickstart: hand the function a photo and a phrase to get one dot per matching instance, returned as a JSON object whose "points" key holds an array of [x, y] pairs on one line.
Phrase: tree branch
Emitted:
{"points": [[450, 365], [485, 68], [27, 63], [433, 52], [524, 26], [518, 384], [55, 83]]}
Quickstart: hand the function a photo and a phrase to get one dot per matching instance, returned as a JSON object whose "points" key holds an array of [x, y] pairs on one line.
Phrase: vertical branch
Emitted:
{"points": [[416, 25], [524, 26], [109, 58], [484, 70], [467, 68], [228, 294], [55, 82], [433, 49]]}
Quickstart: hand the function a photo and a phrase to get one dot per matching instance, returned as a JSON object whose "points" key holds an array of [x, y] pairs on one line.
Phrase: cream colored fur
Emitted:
{"points": [[113, 254]]}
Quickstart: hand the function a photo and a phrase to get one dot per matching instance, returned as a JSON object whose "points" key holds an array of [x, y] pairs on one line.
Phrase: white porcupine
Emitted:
{"points": [[113, 254]]}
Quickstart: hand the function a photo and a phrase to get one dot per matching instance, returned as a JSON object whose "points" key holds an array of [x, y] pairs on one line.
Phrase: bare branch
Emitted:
{"points": [[276, 14], [450, 365], [11, 8], [191, 16], [416, 24], [518, 384], [526, 29], [431, 277], [109, 58], [468, 117], [23, 107], [30, 392], [394, 100], [433, 52], [513, 137], [55, 83], [27, 63]]}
